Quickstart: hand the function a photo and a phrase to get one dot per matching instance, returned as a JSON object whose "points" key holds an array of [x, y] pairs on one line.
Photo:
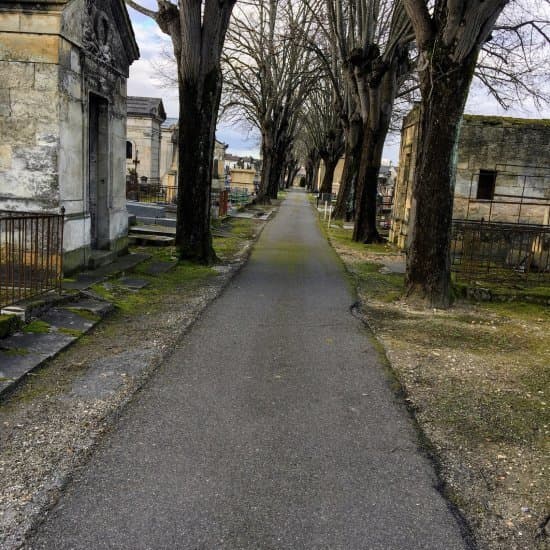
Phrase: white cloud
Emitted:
{"points": [[144, 82]]}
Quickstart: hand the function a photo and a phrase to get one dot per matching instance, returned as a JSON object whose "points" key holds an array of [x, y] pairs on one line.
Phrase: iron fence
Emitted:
{"points": [[501, 252], [152, 194], [238, 196], [31, 254]]}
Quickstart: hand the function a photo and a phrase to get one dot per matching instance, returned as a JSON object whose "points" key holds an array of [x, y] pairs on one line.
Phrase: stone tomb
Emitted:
{"points": [[502, 173], [63, 72]]}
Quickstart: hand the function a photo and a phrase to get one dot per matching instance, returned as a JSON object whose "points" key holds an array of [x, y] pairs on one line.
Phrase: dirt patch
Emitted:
{"points": [[477, 378]]}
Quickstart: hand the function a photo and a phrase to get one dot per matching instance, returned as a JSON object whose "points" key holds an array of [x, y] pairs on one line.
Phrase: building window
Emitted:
{"points": [[486, 185], [129, 151]]}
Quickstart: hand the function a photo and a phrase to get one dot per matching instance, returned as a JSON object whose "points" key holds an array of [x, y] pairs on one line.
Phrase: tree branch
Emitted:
{"points": [[149, 13], [421, 21]]}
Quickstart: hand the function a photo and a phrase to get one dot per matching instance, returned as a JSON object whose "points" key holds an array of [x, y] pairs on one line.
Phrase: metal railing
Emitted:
{"points": [[238, 196], [501, 252], [219, 203], [31, 255], [152, 194]]}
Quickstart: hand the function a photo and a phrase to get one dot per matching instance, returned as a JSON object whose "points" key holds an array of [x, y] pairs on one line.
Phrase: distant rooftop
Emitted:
{"points": [[170, 121], [146, 106]]}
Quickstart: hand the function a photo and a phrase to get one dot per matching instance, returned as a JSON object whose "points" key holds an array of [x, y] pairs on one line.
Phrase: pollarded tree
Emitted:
{"points": [[372, 39], [320, 130], [268, 75], [449, 37], [197, 30]]}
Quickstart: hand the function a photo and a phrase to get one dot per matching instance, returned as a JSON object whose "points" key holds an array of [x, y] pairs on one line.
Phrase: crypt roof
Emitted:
{"points": [[146, 106]]}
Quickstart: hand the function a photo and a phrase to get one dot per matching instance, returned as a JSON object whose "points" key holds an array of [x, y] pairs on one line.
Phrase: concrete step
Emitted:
{"points": [[152, 230], [152, 240], [166, 222], [101, 257], [141, 209]]}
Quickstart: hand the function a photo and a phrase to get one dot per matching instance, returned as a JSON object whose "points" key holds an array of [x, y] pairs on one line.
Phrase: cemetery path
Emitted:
{"points": [[272, 426]]}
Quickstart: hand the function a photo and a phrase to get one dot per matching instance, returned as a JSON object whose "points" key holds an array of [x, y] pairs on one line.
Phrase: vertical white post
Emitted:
{"points": [[325, 214], [329, 216]]}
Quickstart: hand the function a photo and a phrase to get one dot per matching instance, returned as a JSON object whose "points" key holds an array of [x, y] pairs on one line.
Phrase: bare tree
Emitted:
{"points": [[320, 130], [370, 39], [197, 30], [449, 37], [268, 74]]}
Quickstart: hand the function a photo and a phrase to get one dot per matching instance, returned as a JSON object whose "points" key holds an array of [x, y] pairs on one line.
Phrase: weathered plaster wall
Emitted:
{"points": [[402, 210], [29, 110], [168, 155], [52, 58]]}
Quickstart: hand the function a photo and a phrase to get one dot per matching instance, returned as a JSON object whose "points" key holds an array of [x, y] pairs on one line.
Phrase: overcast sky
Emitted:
{"points": [[142, 82]]}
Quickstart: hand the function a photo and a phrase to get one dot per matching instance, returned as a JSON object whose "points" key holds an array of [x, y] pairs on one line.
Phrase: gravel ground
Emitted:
{"points": [[52, 422], [477, 379]]}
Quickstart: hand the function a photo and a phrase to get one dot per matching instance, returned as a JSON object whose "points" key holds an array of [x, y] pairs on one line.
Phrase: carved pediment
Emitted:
{"points": [[107, 33], [98, 33]]}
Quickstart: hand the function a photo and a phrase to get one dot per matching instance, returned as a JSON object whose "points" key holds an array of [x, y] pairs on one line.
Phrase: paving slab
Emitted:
{"points": [[23, 352], [152, 240], [133, 283], [237, 214], [86, 279], [391, 265], [158, 268], [94, 304]]}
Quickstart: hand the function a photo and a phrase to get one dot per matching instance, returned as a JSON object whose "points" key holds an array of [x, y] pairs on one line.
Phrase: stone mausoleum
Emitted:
{"points": [[502, 173], [144, 137], [63, 72]]}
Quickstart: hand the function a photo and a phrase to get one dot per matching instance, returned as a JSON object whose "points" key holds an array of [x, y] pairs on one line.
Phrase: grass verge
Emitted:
{"points": [[478, 378]]}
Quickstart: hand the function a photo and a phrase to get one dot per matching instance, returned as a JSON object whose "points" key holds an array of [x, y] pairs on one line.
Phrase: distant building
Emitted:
{"points": [[242, 172], [386, 178], [169, 156], [63, 71], [502, 172], [168, 152], [144, 137]]}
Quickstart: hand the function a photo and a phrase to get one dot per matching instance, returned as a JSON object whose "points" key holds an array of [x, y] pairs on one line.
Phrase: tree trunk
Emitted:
{"points": [[354, 140], [381, 99], [444, 94], [291, 175], [311, 163], [267, 160], [365, 229], [328, 178], [197, 124]]}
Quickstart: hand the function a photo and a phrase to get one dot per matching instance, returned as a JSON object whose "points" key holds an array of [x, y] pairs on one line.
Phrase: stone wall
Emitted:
{"points": [[516, 151], [243, 178], [168, 145], [29, 110]]}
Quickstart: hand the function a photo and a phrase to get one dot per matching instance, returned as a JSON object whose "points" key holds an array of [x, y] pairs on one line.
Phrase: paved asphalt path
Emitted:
{"points": [[272, 426]]}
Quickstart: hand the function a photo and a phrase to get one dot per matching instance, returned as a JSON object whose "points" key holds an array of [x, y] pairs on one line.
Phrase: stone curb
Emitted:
{"points": [[58, 328]]}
